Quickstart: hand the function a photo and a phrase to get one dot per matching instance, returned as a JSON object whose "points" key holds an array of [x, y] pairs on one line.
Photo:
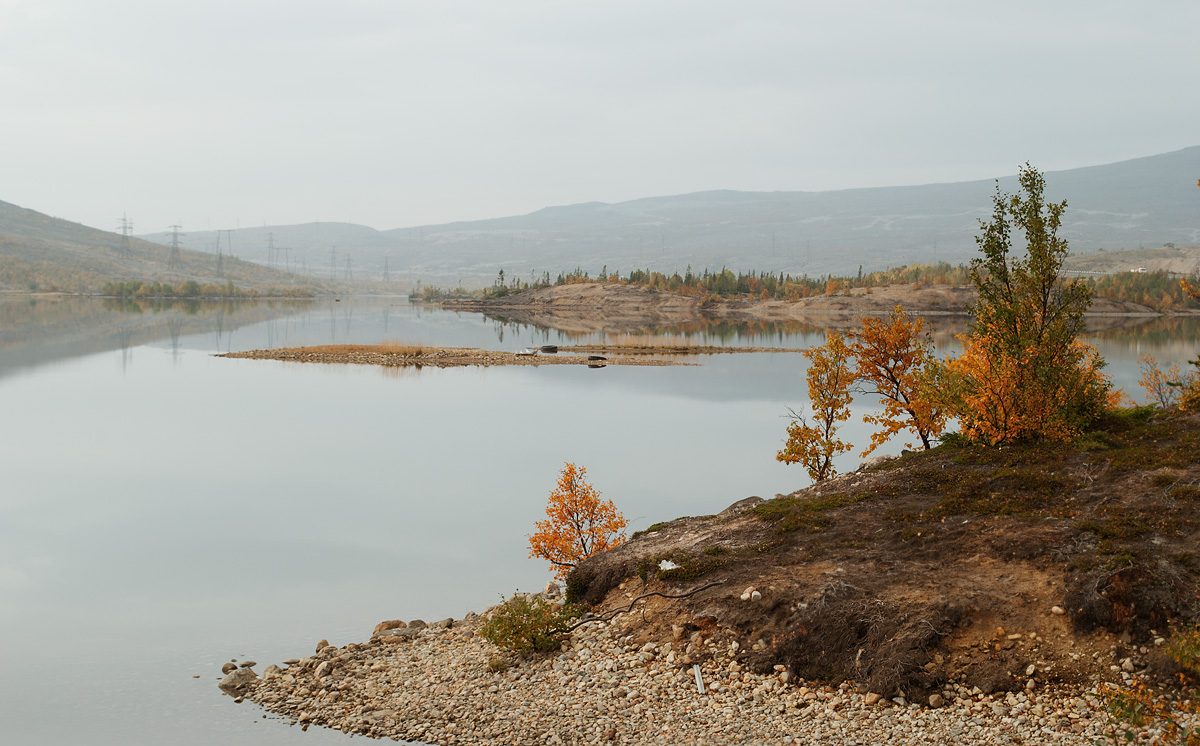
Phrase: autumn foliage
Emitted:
{"points": [[1023, 375], [829, 377], [578, 523], [895, 362]]}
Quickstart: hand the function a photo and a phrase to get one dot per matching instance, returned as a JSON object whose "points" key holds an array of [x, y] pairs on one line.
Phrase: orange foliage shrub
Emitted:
{"points": [[1164, 388], [1011, 397], [578, 523], [896, 363], [829, 377]]}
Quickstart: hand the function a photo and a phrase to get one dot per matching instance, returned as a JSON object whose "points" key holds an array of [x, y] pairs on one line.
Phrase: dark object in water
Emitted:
{"points": [[596, 357], [596, 365], [549, 348]]}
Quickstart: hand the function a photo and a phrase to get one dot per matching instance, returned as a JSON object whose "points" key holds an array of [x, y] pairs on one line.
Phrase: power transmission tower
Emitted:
{"points": [[175, 261], [271, 257], [229, 241], [220, 261], [126, 227], [349, 269]]}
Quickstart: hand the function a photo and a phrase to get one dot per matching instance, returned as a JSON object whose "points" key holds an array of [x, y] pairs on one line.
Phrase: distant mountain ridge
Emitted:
{"points": [[1141, 202]]}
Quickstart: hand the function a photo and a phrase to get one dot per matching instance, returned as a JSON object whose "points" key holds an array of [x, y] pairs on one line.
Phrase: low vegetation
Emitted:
{"points": [[193, 289], [525, 624]]}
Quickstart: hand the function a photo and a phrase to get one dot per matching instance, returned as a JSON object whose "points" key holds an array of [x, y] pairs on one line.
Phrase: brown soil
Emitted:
{"points": [[944, 565]]}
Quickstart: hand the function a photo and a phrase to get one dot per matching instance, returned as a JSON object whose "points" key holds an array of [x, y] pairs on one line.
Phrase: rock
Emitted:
{"points": [[551, 589], [446, 623], [272, 670], [873, 462], [1127, 665], [755, 596], [247, 664], [1030, 669], [389, 624], [872, 698], [322, 645], [417, 624], [323, 670], [1057, 610], [229, 667], [238, 680], [742, 505], [291, 661], [935, 700], [398, 634]]}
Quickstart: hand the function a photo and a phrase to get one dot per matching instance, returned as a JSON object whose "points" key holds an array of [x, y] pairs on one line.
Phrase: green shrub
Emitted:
{"points": [[525, 626]]}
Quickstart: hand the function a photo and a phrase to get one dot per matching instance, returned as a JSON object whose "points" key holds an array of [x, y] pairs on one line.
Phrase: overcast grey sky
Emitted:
{"points": [[216, 113]]}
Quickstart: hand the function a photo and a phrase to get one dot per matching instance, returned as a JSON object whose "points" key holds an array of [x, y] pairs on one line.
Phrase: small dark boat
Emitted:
{"points": [[549, 348], [596, 365], [596, 357]]}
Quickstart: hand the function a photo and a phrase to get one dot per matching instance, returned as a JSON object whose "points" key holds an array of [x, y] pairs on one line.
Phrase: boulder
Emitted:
{"points": [[238, 680], [742, 505], [389, 624]]}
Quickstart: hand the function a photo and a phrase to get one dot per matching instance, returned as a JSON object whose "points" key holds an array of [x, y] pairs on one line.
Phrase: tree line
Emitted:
{"points": [[193, 289]]}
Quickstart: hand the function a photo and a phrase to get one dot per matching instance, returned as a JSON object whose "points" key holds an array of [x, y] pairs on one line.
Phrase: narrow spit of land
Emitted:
{"points": [[455, 357]]}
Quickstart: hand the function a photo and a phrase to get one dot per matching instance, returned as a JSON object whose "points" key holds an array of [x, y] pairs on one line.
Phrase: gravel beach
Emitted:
{"points": [[443, 684]]}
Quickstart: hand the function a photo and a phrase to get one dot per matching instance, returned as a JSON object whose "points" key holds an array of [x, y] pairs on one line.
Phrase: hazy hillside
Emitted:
{"points": [[38, 252], [1143, 202]]}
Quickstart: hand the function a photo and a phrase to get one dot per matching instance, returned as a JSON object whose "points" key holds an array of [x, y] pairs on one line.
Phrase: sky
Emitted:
{"points": [[230, 113]]}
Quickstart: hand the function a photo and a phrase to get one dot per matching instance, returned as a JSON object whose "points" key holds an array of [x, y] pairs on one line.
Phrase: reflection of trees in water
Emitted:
{"points": [[1157, 331], [944, 330]]}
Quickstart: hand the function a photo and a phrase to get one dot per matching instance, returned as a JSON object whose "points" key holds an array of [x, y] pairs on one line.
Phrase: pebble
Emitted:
{"points": [[603, 687]]}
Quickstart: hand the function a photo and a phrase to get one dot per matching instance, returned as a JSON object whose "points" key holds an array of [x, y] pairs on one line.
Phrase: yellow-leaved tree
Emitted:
{"points": [[829, 378], [1023, 374], [578, 523], [895, 361]]}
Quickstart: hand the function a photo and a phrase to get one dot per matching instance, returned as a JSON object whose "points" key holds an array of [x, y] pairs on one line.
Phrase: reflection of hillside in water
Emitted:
{"points": [[40, 330], [944, 329]]}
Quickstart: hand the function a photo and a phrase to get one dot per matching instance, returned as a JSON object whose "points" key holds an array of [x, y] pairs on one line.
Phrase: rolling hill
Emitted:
{"points": [[1145, 202], [39, 252]]}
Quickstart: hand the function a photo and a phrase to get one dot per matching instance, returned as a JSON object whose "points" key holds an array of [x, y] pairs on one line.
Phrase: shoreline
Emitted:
{"points": [[443, 684]]}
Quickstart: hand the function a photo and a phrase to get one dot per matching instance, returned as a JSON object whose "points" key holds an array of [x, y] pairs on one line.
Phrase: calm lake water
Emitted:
{"points": [[163, 510]]}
